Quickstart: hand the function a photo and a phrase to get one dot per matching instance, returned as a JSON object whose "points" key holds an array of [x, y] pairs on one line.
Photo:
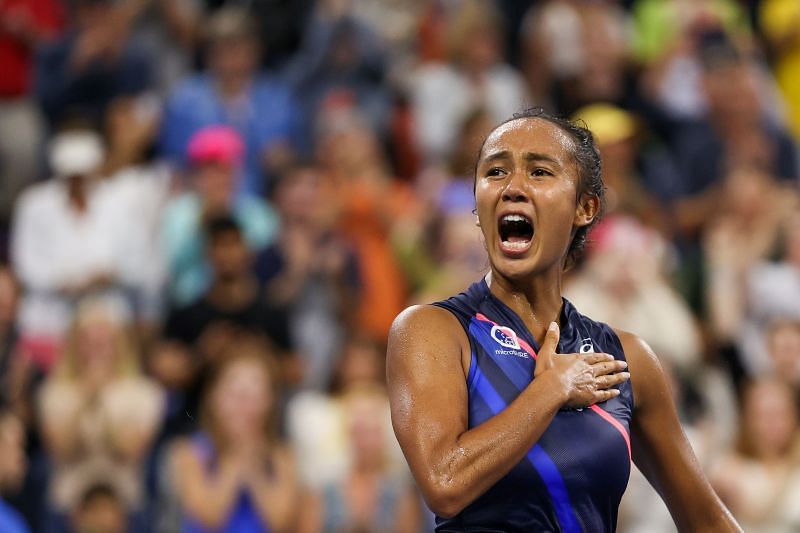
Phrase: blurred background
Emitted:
{"points": [[211, 211]]}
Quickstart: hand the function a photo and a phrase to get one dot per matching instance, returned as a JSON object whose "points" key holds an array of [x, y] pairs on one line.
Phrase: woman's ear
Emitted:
{"points": [[587, 210]]}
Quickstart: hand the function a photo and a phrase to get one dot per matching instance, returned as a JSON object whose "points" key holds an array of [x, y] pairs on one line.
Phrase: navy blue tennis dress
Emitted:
{"points": [[574, 476]]}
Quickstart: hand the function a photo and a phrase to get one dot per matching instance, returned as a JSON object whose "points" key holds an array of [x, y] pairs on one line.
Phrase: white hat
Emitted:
{"points": [[76, 153]]}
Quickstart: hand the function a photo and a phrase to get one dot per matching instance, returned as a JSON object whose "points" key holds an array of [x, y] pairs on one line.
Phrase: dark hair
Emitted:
{"points": [[99, 491], [587, 158], [287, 175], [220, 226]]}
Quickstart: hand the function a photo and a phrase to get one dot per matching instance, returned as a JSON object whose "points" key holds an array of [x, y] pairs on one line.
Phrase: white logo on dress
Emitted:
{"points": [[505, 337]]}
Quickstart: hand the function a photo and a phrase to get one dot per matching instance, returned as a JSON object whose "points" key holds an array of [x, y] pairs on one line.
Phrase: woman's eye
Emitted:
{"points": [[542, 172], [495, 172]]}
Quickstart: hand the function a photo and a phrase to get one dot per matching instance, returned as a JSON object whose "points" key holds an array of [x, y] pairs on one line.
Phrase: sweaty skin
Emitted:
{"points": [[526, 167]]}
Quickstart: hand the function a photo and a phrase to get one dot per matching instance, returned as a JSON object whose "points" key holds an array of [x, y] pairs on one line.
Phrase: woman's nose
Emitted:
{"points": [[515, 189]]}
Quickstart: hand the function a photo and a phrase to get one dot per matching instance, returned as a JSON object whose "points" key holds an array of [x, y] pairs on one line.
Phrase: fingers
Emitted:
{"points": [[592, 358], [608, 367], [604, 395], [548, 349], [611, 380], [550, 340]]}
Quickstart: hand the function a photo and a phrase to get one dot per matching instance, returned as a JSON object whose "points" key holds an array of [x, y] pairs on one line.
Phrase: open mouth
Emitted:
{"points": [[516, 232]]}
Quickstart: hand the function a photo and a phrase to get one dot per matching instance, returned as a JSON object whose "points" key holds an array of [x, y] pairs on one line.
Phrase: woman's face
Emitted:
{"points": [[241, 400], [526, 195], [367, 428], [770, 417], [361, 363], [96, 342]]}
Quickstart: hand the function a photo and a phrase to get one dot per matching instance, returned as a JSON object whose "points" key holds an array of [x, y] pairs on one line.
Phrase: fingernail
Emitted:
{"points": [[624, 364], [553, 326], [626, 375]]}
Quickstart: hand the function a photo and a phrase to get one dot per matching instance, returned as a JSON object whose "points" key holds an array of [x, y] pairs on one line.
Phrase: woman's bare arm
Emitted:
{"points": [[454, 465], [662, 451], [408, 512], [276, 496], [208, 499]]}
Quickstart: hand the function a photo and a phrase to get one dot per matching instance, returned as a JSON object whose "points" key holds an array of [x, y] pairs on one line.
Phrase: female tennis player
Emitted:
{"points": [[514, 411]]}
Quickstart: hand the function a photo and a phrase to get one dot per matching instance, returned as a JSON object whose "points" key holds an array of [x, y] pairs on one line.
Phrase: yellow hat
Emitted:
{"points": [[608, 123]]}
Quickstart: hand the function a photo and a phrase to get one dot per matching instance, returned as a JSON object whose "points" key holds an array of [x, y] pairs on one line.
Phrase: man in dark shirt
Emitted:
{"points": [[233, 302], [736, 133], [197, 335]]}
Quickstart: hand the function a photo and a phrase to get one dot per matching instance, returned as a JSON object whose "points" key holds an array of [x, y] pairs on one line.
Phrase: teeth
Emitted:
{"points": [[515, 218], [521, 245]]}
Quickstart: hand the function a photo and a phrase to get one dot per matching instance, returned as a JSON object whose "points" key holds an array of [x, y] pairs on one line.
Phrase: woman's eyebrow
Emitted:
{"points": [[503, 154], [536, 156]]}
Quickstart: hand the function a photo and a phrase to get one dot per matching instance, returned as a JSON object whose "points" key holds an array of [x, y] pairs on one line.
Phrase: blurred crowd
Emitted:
{"points": [[211, 211]]}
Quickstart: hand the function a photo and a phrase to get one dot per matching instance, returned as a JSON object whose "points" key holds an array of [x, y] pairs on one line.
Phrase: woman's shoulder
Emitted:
{"points": [[638, 353], [422, 319]]}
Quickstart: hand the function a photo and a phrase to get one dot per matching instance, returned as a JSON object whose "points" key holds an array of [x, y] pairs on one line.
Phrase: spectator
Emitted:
{"points": [[736, 133], [667, 37], [24, 26], [168, 32], [98, 413], [577, 52], [216, 154], [623, 283], [233, 92], [759, 480], [197, 334], [370, 497], [629, 169], [456, 246], [90, 65], [315, 420], [233, 301], [100, 509], [342, 63], [783, 347], [311, 271], [139, 189], [371, 204], [745, 291], [63, 242], [13, 465], [474, 76], [235, 474], [281, 24]]}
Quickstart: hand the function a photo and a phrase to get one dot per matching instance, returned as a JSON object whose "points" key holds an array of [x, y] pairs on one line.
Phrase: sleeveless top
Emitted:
{"points": [[243, 518], [573, 478]]}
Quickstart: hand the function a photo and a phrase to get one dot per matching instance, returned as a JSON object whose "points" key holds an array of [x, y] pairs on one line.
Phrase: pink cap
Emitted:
{"points": [[216, 144]]}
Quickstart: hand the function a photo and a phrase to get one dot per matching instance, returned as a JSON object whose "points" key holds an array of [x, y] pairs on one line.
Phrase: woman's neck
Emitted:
{"points": [[536, 300]]}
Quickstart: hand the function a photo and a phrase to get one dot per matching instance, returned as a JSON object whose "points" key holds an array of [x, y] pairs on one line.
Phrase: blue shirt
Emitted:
{"points": [[573, 478], [266, 115], [10, 520], [243, 517]]}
